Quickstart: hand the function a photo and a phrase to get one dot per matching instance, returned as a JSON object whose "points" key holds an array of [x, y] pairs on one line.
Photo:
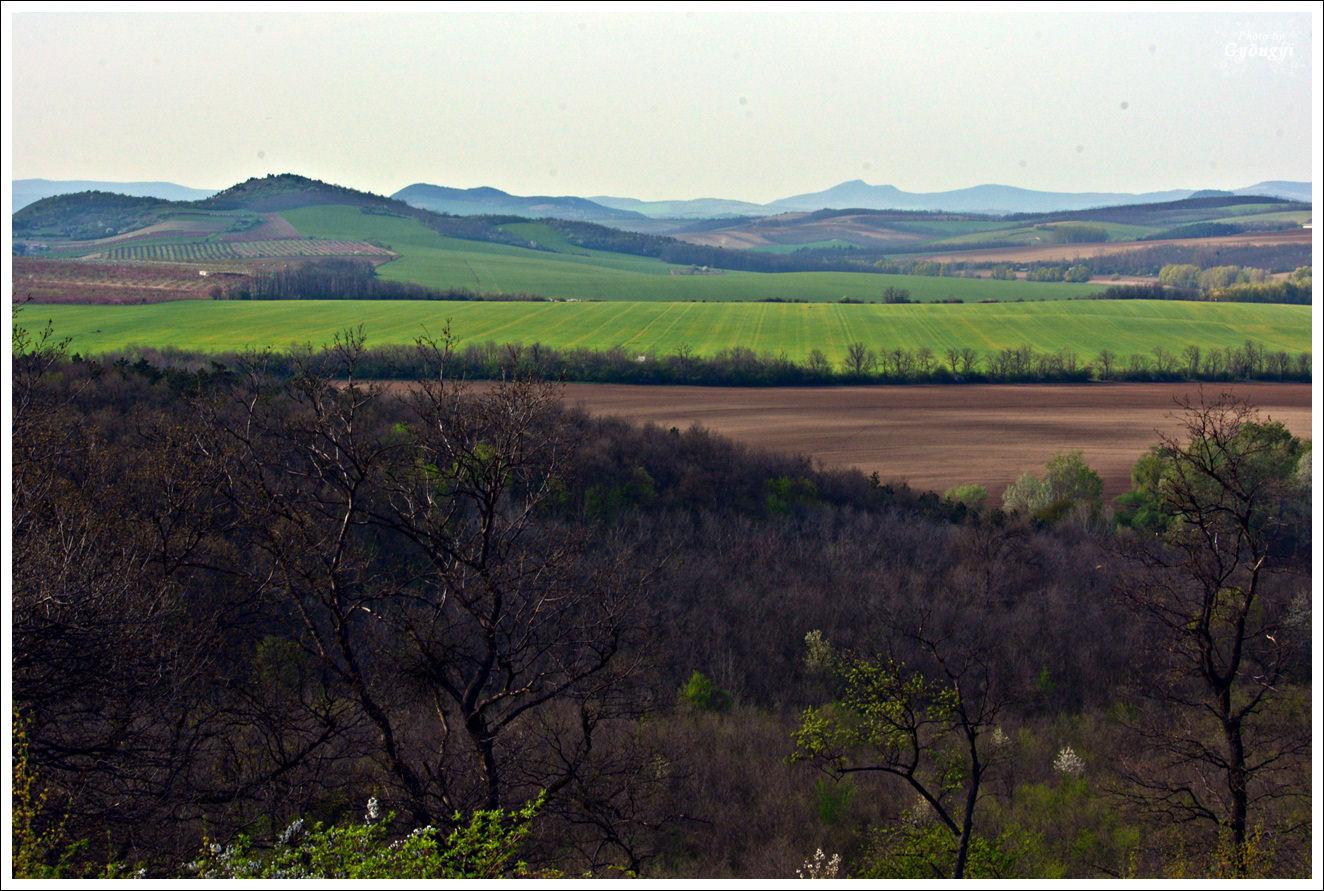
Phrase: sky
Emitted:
{"points": [[664, 101]]}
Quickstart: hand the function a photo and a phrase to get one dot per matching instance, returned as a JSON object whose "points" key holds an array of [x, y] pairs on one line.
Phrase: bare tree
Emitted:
{"points": [[411, 542], [859, 359], [1225, 593]]}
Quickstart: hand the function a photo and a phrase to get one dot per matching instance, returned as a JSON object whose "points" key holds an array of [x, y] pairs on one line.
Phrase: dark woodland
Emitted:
{"points": [[263, 592]]}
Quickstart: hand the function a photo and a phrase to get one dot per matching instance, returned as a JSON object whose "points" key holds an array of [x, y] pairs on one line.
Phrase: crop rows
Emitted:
{"points": [[241, 250], [1083, 327]]}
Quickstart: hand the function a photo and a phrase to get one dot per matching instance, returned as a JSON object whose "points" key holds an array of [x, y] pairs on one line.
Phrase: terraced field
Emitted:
{"points": [[244, 250], [570, 272], [1085, 327]]}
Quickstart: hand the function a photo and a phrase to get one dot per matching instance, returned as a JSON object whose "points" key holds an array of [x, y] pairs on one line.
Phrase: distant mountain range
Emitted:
{"points": [[990, 199], [627, 212], [486, 200], [26, 191], [107, 225]]}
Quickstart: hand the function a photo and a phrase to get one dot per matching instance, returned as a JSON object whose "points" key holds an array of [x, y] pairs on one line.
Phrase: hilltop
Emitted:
{"points": [[489, 201], [27, 191]]}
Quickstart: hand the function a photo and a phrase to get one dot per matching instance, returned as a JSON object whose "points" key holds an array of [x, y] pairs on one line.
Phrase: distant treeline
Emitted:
{"points": [[1155, 213], [1148, 261], [342, 279], [741, 367], [1219, 284]]}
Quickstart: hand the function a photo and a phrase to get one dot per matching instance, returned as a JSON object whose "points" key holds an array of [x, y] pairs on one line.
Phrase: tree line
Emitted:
{"points": [[743, 367]]}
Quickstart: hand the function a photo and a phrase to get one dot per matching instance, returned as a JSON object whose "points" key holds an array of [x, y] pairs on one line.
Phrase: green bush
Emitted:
{"points": [[483, 848], [701, 694]]}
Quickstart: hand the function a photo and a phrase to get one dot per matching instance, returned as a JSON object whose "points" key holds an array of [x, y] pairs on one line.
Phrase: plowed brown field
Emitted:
{"points": [[1057, 252], [80, 281], [935, 437]]}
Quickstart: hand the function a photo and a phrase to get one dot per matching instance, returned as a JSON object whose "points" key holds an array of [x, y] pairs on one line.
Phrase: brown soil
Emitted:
{"points": [[935, 437], [81, 281], [1048, 252], [273, 226], [788, 229]]}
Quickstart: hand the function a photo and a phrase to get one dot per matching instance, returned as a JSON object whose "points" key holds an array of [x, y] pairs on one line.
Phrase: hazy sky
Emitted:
{"points": [[753, 102]]}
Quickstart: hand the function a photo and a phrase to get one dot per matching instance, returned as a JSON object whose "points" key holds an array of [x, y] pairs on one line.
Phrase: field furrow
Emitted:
{"points": [[1123, 327]]}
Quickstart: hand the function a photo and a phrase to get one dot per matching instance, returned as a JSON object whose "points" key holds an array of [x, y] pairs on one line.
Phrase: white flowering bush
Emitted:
{"points": [[819, 656], [484, 848], [820, 866], [1068, 763]]}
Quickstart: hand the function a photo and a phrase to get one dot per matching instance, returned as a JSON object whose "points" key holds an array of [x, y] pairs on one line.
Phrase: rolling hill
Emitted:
{"points": [[488, 201], [28, 191], [917, 232], [824, 256]]}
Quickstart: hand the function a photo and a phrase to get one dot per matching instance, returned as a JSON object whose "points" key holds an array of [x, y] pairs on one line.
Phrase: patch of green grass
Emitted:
{"points": [[1246, 210], [1042, 233], [792, 248], [1290, 216], [1086, 327], [441, 262], [544, 236], [945, 228]]}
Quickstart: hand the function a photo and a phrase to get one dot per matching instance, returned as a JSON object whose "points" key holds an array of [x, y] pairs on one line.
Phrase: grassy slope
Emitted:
{"points": [[1083, 326], [1039, 233], [440, 262]]}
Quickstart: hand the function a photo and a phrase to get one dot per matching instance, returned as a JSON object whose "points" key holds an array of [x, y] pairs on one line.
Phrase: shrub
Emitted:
{"points": [[483, 848], [701, 694]]}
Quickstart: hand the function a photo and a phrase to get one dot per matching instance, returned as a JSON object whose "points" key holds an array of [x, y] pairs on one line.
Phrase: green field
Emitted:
{"points": [[1086, 327], [567, 271], [1042, 233]]}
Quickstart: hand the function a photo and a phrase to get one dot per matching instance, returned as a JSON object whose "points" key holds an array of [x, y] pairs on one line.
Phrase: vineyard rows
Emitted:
{"points": [[243, 250]]}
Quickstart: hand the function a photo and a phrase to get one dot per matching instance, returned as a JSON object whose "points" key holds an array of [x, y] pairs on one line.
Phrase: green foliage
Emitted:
{"points": [[972, 495], [1070, 478], [484, 847], [1068, 483], [785, 494], [1141, 509], [41, 849], [1180, 275], [1044, 682], [1027, 495], [1220, 276], [1273, 457], [605, 502], [1279, 291], [924, 849], [1077, 233], [831, 798], [882, 709], [1067, 828], [1257, 858], [702, 694]]}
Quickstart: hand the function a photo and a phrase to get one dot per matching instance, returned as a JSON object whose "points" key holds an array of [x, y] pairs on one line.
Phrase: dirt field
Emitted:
{"points": [[79, 281], [273, 226], [935, 437], [1050, 252]]}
